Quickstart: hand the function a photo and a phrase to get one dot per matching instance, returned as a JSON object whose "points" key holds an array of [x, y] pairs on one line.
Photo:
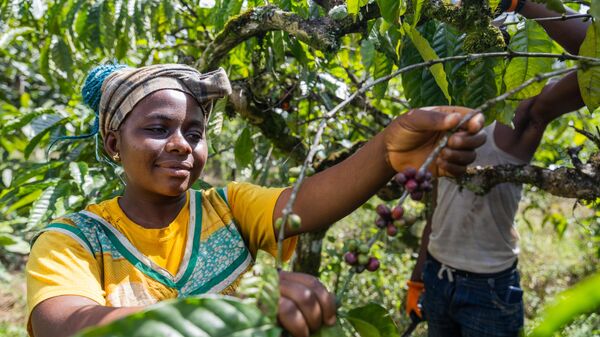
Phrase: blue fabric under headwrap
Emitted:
{"points": [[91, 93]]}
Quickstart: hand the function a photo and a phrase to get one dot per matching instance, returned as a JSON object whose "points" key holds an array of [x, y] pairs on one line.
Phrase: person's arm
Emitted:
{"points": [[63, 316], [533, 115], [568, 33], [305, 306], [332, 194]]}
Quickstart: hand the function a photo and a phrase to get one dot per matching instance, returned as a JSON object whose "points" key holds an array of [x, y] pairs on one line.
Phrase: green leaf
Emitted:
{"points": [[61, 55], [40, 207], [481, 82], [107, 25], [417, 15], [595, 9], [390, 9], [203, 316], [494, 5], [38, 137], [261, 287], [373, 316], [243, 149], [383, 67], [437, 70], [533, 39], [26, 200], [8, 37], [583, 298], [556, 5], [367, 53], [589, 77]]}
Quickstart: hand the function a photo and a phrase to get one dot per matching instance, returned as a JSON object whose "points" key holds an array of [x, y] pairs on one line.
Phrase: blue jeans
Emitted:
{"points": [[472, 305]]}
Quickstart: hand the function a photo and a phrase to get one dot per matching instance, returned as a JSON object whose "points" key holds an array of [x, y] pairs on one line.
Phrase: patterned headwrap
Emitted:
{"points": [[126, 87]]}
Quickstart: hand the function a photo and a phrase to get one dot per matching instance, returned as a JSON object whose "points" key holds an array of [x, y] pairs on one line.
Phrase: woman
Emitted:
{"points": [[161, 239]]}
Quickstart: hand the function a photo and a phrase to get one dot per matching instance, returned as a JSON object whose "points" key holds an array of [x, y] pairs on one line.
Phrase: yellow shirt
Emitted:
{"points": [[92, 265]]}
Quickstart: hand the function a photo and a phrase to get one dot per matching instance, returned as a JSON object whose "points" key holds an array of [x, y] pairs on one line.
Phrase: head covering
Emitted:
{"points": [[125, 87]]}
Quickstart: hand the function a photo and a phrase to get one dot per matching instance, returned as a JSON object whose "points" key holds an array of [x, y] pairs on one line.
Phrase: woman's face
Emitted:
{"points": [[162, 145]]}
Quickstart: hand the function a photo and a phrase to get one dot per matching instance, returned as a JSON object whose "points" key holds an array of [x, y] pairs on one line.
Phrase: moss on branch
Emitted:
{"points": [[322, 33]]}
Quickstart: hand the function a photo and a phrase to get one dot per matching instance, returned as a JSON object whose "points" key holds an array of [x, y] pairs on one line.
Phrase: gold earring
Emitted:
{"points": [[116, 157]]}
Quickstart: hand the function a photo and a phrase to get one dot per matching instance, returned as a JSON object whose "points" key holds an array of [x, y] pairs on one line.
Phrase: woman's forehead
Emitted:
{"points": [[168, 101]]}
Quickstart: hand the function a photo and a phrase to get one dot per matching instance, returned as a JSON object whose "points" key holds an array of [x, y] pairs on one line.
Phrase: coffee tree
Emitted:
{"points": [[311, 81]]}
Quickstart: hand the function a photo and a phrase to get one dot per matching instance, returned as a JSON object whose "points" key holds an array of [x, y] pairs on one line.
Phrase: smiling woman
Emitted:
{"points": [[160, 239]]}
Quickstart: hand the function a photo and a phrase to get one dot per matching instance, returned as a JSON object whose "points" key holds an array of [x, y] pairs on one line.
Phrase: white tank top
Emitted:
{"points": [[477, 233]]}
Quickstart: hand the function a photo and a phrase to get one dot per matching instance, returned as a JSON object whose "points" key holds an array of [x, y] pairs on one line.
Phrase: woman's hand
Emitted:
{"points": [[304, 305], [410, 138]]}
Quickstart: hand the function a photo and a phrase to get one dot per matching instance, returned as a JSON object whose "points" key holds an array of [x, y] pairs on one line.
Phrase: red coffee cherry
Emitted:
{"points": [[381, 222], [410, 173], [416, 195], [373, 264], [397, 212], [411, 185], [392, 230], [351, 258], [383, 211]]}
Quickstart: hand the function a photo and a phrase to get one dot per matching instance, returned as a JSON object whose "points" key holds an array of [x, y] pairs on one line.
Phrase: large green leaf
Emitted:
{"points": [[383, 67], [533, 39], [203, 316], [390, 9], [243, 149], [61, 55], [40, 207], [7, 37], [373, 320], [428, 54], [584, 298], [481, 82], [589, 77]]}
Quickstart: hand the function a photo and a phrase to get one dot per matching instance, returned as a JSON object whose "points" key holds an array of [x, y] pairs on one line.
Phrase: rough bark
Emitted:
{"points": [[322, 33], [273, 126], [308, 253]]}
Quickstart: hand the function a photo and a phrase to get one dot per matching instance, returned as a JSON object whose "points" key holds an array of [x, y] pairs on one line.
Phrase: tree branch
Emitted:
{"points": [[321, 33], [563, 182]]}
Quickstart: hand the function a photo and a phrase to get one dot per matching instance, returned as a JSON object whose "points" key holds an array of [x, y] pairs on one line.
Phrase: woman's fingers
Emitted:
{"points": [[326, 300], [291, 319], [305, 300], [304, 305], [463, 140]]}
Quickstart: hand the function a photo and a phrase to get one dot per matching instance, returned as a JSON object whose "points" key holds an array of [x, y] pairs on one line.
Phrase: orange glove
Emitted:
{"points": [[415, 289]]}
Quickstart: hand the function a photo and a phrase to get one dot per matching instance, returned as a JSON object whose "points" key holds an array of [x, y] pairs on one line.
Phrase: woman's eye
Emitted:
{"points": [[195, 136], [157, 130]]}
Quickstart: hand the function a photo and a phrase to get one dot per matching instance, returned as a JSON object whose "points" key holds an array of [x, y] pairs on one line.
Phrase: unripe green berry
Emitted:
{"points": [[352, 245], [363, 259], [278, 223], [295, 221], [363, 248]]}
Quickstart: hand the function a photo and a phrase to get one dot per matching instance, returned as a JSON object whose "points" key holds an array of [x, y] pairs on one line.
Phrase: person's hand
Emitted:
{"points": [[411, 137], [415, 290], [304, 305]]}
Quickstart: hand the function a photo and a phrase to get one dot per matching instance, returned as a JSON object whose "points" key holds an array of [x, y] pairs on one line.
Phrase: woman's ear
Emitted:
{"points": [[111, 143]]}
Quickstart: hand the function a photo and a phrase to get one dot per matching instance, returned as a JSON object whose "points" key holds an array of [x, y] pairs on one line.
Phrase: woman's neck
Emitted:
{"points": [[151, 211]]}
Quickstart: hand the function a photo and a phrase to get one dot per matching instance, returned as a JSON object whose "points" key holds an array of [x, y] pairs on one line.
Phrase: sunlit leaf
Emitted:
{"points": [[589, 77], [243, 149]]}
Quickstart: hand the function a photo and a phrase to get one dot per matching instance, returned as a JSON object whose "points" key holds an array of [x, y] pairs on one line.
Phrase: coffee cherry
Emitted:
{"points": [[420, 176], [399, 223], [392, 230], [363, 259], [426, 186], [363, 248], [410, 219], [383, 211], [350, 258], [359, 269], [416, 195], [397, 212], [373, 264], [410, 173], [400, 178], [381, 222], [295, 221], [278, 223], [411, 185], [352, 245]]}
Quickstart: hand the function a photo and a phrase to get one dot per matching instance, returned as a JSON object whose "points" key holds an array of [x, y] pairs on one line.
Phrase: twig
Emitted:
{"points": [[189, 8], [563, 17]]}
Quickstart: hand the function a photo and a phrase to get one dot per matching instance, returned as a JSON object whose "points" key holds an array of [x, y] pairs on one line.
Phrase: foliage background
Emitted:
{"points": [[286, 82]]}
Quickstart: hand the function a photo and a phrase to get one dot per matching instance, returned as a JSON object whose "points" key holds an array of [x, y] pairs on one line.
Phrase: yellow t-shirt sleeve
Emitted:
{"points": [[252, 207], [58, 265]]}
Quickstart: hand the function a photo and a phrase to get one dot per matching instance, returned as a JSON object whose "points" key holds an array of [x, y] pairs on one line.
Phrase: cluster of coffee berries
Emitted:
{"points": [[415, 182], [389, 218], [357, 256]]}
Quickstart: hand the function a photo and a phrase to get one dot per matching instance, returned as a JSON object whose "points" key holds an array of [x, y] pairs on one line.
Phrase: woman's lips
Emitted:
{"points": [[176, 168]]}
